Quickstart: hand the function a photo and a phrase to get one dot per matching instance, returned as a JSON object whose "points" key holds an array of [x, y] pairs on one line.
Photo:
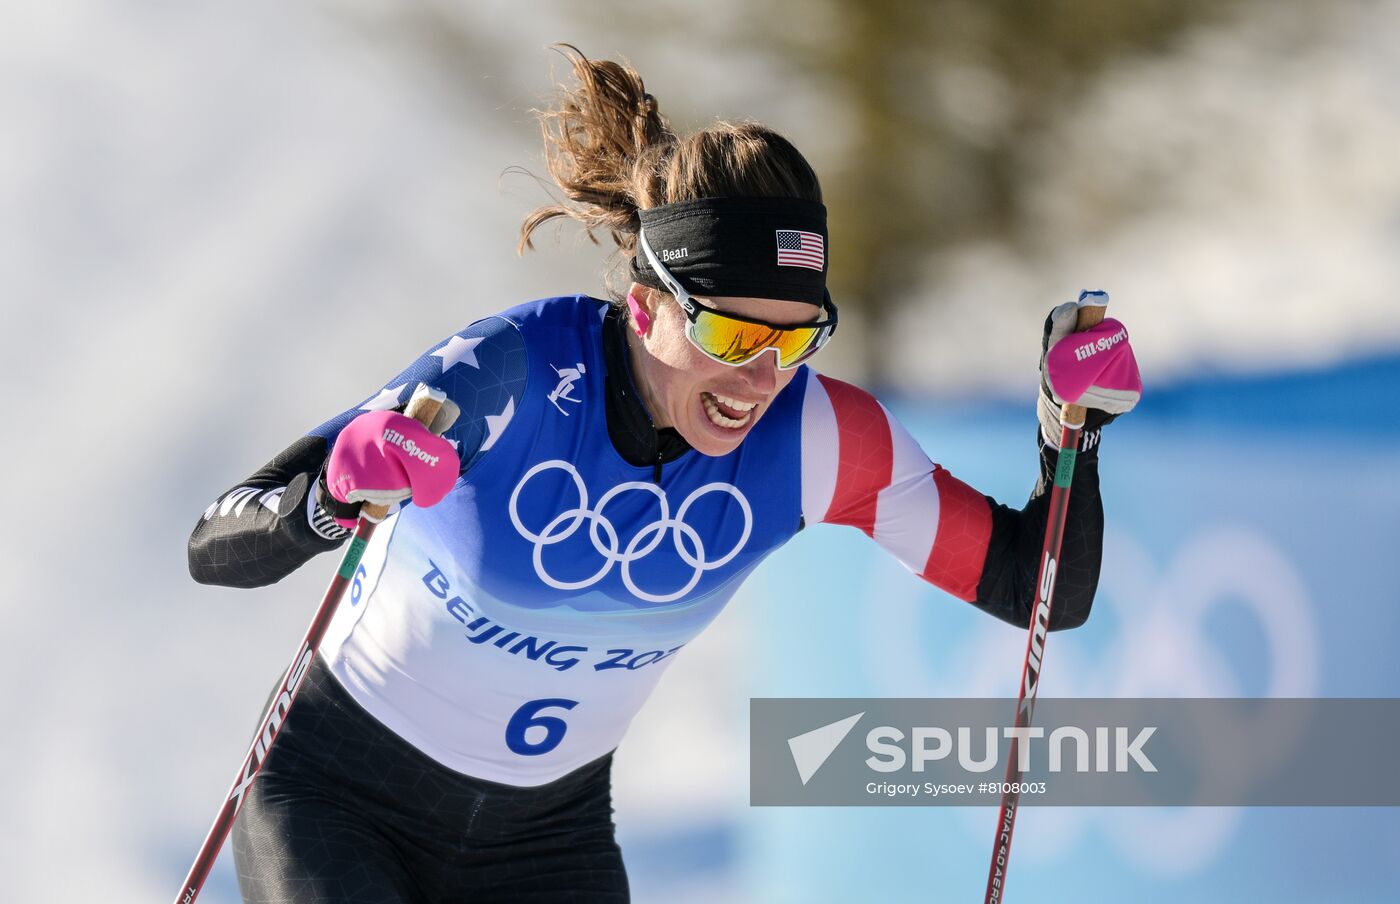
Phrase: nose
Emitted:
{"points": [[761, 373]]}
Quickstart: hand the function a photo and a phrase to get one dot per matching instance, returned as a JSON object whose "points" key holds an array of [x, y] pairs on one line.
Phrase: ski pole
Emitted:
{"points": [[1091, 310], [422, 407]]}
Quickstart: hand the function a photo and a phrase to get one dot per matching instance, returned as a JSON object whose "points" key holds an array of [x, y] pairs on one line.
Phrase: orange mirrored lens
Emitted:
{"points": [[735, 341]]}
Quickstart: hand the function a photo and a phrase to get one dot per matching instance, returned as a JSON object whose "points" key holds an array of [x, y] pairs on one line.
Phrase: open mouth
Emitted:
{"points": [[731, 414]]}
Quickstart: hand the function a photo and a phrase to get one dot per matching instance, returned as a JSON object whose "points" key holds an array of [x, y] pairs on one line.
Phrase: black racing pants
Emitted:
{"points": [[344, 810]]}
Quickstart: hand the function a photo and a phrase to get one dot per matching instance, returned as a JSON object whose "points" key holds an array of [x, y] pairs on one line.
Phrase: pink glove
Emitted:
{"points": [[384, 457], [1095, 369]]}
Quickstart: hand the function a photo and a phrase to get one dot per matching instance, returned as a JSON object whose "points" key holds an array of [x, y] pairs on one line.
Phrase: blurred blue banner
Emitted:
{"points": [[1252, 536]]}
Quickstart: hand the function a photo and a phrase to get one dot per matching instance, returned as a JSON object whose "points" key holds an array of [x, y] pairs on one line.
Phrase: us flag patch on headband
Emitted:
{"points": [[797, 248]]}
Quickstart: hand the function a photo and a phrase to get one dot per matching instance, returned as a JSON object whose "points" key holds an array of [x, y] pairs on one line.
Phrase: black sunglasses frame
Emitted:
{"points": [[693, 308]]}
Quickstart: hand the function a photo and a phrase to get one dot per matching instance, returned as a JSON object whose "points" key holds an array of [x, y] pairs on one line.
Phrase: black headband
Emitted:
{"points": [[747, 247]]}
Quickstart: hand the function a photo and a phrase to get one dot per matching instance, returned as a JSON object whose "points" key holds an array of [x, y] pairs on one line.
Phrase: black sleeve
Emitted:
{"points": [[1007, 586], [266, 527], [272, 523]]}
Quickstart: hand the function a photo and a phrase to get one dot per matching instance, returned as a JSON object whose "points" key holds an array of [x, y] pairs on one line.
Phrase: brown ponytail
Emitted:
{"points": [[612, 153], [593, 139]]}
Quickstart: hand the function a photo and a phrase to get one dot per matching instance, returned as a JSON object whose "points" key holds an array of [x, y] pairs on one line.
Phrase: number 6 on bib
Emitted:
{"points": [[525, 718]]}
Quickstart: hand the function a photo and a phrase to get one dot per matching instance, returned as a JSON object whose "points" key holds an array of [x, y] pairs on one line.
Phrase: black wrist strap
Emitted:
{"points": [[333, 506]]}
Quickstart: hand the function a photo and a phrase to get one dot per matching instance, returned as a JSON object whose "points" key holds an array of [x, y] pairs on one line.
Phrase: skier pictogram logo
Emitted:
{"points": [[567, 377]]}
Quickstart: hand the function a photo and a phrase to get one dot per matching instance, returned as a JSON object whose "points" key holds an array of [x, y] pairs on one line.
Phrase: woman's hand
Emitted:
{"points": [[1095, 369], [383, 457]]}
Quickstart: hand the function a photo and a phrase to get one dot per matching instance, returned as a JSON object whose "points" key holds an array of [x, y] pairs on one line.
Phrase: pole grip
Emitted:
{"points": [[1090, 316], [423, 407]]}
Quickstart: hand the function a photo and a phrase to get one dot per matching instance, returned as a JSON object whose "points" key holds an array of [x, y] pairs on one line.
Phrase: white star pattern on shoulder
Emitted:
{"points": [[496, 424], [458, 351], [385, 400]]}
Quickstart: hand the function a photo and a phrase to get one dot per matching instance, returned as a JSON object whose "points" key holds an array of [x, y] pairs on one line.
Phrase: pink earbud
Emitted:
{"points": [[641, 319]]}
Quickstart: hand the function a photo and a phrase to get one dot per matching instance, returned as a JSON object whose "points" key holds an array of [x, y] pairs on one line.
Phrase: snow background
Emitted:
{"points": [[219, 223]]}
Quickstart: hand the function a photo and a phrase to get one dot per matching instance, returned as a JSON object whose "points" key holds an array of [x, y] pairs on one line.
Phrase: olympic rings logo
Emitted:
{"points": [[608, 544]]}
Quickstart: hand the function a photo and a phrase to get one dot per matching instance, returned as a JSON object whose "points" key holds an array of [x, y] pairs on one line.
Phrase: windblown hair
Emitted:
{"points": [[612, 153]]}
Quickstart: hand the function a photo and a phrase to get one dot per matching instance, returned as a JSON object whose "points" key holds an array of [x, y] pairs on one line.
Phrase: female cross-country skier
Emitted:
{"points": [[613, 472]]}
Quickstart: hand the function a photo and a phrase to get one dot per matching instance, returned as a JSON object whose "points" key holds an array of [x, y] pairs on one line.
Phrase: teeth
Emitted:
{"points": [[718, 418], [733, 403]]}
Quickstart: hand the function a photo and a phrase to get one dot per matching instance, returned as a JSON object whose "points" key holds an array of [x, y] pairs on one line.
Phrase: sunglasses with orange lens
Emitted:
{"points": [[735, 340]]}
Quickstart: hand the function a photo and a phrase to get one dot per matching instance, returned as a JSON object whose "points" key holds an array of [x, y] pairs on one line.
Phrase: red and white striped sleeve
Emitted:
{"points": [[860, 467]]}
